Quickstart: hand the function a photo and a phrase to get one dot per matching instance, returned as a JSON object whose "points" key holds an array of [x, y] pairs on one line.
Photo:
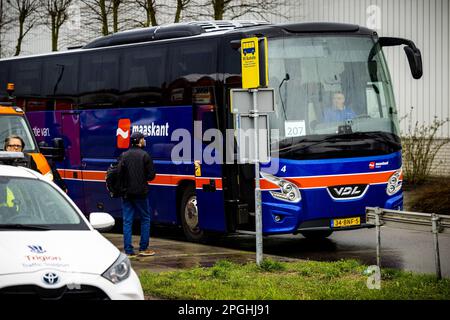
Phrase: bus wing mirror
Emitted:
{"points": [[58, 145], [412, 53], [55, 152], [415, 61]]}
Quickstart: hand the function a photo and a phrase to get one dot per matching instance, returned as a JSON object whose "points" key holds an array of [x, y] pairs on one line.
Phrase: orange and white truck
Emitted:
{"points": [[14, 122]]}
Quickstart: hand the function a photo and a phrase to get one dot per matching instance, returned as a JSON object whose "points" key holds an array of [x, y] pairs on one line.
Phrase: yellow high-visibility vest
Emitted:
{"points": [[9, 199]]}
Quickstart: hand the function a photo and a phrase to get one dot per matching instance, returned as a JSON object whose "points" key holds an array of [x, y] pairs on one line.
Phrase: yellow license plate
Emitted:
{"points": [[347, 222]]}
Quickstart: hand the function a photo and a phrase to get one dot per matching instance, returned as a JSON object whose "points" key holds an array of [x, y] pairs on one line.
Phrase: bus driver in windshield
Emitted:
{"points": [[339, 111]]}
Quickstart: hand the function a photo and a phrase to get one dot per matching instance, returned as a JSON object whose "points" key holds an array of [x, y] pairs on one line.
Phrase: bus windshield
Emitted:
{"points": [[16, 125], [330, 85]]}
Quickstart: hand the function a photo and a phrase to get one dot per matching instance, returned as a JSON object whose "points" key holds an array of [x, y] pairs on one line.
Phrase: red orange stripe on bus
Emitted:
{"points": [[301, 182], [200, 181], [100, 176]]}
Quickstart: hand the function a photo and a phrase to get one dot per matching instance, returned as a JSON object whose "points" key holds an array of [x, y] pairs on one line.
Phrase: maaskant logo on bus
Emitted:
{"points": [[377, 165], [125, 129]]}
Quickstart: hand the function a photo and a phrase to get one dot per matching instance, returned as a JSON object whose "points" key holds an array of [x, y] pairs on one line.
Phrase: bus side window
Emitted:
{"points": [[190, 62], [194, 58], [99, 79], [27, 77], [4, 68], [143, 76], [60, 76]]}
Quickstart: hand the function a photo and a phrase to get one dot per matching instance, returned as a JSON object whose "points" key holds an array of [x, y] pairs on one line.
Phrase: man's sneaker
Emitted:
{"points": [[147, 253], [131, 255]]}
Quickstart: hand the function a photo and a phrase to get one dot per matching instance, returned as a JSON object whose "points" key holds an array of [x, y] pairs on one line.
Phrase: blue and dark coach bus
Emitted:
{"points": [[338, 145]]}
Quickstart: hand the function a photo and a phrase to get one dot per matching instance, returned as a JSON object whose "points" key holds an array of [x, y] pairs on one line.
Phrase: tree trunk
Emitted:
{"points": [[219, 8], [20, 38], [116, 5], [54, 34], [104, 18], [178, 12], [151, 13]]}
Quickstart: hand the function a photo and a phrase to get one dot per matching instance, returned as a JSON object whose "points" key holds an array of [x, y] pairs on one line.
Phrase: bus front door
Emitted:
{"points": [[208, 170]]}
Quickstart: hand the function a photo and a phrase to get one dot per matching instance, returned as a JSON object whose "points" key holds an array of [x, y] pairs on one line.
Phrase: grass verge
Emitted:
{"points": [[303, 280]]}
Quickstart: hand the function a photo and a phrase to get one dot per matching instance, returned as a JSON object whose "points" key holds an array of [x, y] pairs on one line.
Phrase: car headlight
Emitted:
{"points": [[119, 271], [394, 183], [289, 191], [48, 176]]}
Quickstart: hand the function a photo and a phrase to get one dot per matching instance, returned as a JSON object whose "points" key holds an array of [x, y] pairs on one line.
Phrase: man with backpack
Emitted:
{"points": [[135, 168]]}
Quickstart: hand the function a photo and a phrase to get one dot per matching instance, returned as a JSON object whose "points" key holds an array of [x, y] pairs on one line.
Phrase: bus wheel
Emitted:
{"points": [[189, 215], [316, 234]]}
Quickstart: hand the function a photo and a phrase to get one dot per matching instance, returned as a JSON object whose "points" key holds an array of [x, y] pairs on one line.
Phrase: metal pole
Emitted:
{"points": [[378, 230], [435, 229], [258, 211]]}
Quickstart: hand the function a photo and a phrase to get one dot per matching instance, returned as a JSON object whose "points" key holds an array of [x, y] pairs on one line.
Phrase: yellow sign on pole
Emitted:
{"points": [[254, 62]]}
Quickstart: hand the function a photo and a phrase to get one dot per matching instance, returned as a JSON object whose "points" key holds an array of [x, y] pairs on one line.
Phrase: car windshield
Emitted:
{"points": [[329, 85], [34, 203], [16, 125]]}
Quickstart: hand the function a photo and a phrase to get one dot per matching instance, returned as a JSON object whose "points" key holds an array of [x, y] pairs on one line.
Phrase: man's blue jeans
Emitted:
{"points": [[130, 209]]}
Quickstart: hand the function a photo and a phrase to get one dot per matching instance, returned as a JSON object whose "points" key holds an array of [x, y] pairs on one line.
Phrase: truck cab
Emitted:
{"points": [[14, 122]]}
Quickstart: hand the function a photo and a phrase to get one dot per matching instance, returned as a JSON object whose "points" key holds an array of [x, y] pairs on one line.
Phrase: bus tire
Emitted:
{"points": [[316, 234], [189, 215]]}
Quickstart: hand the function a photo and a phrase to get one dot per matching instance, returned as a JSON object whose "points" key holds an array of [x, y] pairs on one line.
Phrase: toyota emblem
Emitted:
{"points": [[50, 278]]}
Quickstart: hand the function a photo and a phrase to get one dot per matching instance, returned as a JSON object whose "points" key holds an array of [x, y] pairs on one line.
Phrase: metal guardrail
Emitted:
{"points": [[411, 221]]}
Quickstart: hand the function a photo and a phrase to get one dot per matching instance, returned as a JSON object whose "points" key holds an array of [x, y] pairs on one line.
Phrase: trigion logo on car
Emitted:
{"points": [[123, 133], [372, 165], [37, 249]]}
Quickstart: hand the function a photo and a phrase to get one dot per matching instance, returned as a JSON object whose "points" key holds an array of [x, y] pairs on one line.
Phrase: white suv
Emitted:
{"points": [[48, 249]]}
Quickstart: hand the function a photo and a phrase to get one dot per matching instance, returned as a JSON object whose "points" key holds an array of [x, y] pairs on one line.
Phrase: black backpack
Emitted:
{"points": [[114, 182]]}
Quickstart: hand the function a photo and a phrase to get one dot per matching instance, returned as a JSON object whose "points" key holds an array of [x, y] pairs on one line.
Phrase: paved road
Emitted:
{"points": [[401, 249]]}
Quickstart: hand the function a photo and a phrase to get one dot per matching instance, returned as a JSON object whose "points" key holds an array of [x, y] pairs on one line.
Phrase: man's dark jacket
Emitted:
{"points": [[136, 169]]}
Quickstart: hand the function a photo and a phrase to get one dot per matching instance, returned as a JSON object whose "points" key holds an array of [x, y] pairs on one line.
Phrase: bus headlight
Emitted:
{"points": [[119, 271], [289, 191], [394, 183]]}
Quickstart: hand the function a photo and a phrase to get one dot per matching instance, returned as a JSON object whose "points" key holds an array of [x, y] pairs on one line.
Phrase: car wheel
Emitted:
{"points": [[189, 215]]}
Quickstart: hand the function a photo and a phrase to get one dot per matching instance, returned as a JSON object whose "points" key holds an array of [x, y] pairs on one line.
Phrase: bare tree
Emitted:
{"points": [[155, 11], [115, 11], [107, 13], [55, 14], [236, 8], [100, 10], [26, 13], [5, 23], [181, 5], [150, 8]]}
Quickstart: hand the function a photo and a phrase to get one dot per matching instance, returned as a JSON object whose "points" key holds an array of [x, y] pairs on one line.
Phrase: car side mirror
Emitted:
{"points": [[101, 221], [415, 61]]}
